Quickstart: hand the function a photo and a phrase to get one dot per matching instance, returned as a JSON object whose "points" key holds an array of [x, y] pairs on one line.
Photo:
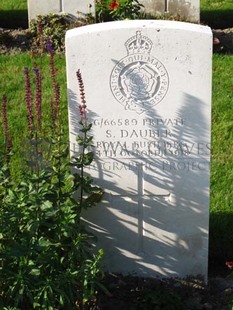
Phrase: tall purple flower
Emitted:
{"points": [[7, 137], [82, 106], [53, 114], [57, 98], [49, 46], [38, 95], [51, 61], [28, 99], [4, 117], [56, 89]]}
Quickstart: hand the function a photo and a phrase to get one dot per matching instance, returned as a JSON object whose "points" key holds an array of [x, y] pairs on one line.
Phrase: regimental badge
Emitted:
{"points": [[139, 81]]}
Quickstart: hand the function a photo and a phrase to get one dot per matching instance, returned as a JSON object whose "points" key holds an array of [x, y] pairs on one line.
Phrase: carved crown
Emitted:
{"points": [[138, 44]]}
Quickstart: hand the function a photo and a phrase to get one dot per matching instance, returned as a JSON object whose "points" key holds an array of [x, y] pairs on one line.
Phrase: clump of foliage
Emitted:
{"points": [[114, 10], [54, 27], [107, 10], [161, 298], [46, 255], [130, 9]]}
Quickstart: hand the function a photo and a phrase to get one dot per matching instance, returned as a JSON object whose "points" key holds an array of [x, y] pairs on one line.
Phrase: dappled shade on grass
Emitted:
{"points": [[14, 19], [217, 19]]}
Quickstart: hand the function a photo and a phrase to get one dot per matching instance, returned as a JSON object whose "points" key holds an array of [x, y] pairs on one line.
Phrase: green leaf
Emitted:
{"points": [[11, 194], [46, 205], [36, 304], [94, 198], [35, 272], [44, 242], [88, 158]]}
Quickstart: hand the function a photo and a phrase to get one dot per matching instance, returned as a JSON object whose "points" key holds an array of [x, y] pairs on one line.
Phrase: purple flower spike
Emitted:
{"points": [[49, 46], [28, 99], [38, 95], [82, 106], [4, 116], [7, 137]]}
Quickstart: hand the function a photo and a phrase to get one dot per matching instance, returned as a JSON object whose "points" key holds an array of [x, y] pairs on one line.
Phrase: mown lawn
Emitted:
{"points": [[221, 217], [216, 5], [13, 14], [12, 83], [217, 13]]}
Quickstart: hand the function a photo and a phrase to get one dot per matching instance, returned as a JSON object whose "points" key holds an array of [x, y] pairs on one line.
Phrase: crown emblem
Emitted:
{"points": [[138, 44], [139, 81]]}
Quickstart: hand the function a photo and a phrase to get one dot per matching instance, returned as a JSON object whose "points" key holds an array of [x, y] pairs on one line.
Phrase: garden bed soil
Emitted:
{"points": [[14, 40], [224, 40], [133, 293]]}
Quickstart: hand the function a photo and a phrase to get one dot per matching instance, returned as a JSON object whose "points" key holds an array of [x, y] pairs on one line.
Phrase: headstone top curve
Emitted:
{"points": [[127, 24]]}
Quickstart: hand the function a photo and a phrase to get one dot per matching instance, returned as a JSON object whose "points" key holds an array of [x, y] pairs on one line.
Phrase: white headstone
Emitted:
{"points": [[73, 7], [185, 10], [148, 91]]}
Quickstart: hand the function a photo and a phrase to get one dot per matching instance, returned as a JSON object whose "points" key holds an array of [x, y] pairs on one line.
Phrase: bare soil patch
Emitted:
{"points": [[224, 40], [14, 40]]}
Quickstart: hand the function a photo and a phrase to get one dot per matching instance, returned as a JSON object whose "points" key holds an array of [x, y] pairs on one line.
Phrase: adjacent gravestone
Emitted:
{"points": [[148, 91], [73, 7], [180, 9]]}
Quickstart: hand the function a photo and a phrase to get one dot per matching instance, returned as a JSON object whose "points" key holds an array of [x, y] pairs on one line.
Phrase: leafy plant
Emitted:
{"points": [[159, 299], [53, 27], [130, 9], [46, 260], [50, 26], [114, 10]]}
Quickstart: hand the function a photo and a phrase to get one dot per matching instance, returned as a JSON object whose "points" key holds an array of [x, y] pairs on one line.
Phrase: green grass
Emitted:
{"points": [[222, 132], [13, 14], [217, 13], [12, 83], [216, 4], [221, 217]]}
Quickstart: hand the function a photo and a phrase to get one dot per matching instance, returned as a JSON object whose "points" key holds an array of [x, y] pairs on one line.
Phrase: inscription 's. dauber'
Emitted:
{"points": [[133, 134], [147, 133]]}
